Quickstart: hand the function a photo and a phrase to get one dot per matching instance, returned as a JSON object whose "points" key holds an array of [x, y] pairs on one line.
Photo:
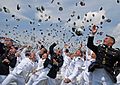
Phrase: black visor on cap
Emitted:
{"points": [[111, 38]]}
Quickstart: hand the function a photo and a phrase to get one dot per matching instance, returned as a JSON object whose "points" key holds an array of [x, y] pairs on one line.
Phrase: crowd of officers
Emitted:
{"points": [[95, 65]]}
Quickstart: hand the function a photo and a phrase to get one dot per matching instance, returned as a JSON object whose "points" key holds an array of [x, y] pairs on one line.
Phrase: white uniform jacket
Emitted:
{"points": [[75, 68], [25, 66]]}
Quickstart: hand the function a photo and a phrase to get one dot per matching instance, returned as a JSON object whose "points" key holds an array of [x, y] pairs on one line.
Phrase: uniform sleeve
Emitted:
{"points": [[37, 55], [40, 68], [90, 44], [20, 67], [22, 54], [1, 48], [51, 49], [66, 60], [13, 62], [119, 56], [77, 70]]}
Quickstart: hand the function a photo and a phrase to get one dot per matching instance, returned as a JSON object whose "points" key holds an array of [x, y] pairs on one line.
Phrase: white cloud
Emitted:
{"points": [[96, 20], [116, 30], [93, 18]]}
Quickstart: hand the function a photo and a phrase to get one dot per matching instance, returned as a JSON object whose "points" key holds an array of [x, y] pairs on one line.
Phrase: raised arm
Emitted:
{"points": [[90, 43], [51, 49]]}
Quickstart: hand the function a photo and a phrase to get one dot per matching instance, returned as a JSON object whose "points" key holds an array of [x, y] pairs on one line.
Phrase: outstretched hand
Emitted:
{"points": [[6, 61], [94, 29]]}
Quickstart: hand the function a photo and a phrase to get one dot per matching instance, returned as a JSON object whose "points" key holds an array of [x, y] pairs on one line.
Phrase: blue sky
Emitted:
{"points": [[26, 25]]}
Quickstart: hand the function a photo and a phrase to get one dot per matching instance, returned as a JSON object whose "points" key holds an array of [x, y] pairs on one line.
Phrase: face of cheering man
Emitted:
{"points": [[12, 50], [44, 56], [93, 55], [78, 53], [42, 51], [8, 42], [32, 56], [108, 41], [58, 51]]}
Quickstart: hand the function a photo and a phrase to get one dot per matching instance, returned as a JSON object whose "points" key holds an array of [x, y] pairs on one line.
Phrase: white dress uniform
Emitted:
{"points": [[66, 63], [20, 71], [74, 70], [22, 56], [39, 69], [37, 55], [83, 78]]}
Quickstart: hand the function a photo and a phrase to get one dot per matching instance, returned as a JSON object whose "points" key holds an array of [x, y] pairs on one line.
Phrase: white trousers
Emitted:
{"points": [[17, 79], [83, 78], [43, 77], [100, 77], [32, 78]]}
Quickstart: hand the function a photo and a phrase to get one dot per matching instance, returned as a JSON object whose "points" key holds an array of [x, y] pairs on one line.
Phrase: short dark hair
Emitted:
{"points": [[111, 38], [45, 51]]}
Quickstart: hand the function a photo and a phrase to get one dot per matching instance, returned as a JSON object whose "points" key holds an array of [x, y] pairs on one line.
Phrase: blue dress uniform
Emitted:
{"points": [[102, 69], [4, 67], [55, 67]]}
